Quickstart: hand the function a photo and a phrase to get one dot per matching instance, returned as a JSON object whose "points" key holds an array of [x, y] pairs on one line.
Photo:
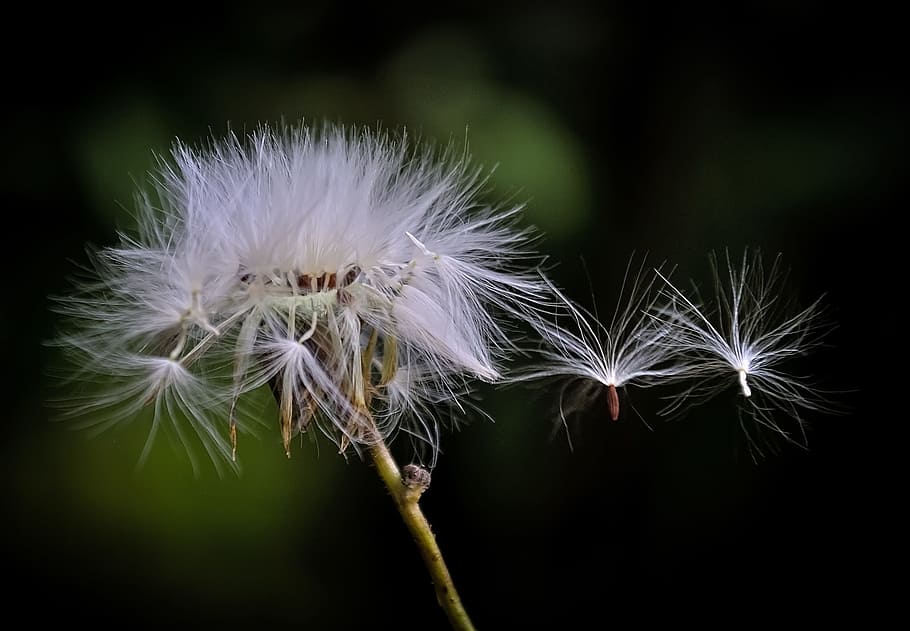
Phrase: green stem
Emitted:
{"points": [[407, 502]]}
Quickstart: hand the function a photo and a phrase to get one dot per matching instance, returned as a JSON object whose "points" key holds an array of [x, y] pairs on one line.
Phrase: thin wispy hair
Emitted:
{"points": [[745, 339], [630, 350]]}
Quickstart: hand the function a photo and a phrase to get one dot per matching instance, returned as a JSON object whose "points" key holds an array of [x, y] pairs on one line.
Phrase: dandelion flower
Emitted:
{"points": [[631, 350], [744, 342], [358, 277]]}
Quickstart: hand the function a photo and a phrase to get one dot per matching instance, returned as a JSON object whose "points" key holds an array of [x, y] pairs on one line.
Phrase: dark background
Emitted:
{"points": [[626, 128]]}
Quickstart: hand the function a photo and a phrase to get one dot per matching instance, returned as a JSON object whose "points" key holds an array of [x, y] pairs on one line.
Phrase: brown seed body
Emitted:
{"points": [[613, 402]]}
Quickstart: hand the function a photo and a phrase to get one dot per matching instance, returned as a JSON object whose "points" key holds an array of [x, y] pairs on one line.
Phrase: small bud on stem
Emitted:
{"points": [[416, 479]]}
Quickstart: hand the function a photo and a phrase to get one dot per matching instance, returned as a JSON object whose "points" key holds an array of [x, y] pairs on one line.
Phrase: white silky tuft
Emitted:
{"points": [[742, 342], [359, 277], [632, 349]]}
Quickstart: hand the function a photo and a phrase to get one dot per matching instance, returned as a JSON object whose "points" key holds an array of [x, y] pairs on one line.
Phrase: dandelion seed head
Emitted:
{"points": [[358, 275]]}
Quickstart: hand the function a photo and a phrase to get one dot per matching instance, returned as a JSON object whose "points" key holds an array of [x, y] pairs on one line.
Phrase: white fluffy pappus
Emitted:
{"points": [[358, 276], [744, 340], [633, 349]]}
